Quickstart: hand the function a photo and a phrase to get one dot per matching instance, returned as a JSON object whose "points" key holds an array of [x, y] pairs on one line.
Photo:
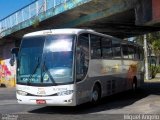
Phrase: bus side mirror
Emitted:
{"points": [[14, 52]]}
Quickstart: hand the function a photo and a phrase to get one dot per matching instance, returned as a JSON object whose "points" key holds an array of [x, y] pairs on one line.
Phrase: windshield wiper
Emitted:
{"points": [[34, 70], [48, 72]]}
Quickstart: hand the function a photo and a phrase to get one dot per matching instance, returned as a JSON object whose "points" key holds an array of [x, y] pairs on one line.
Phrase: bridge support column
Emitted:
{"points": [[147, 12], [7, 72], [146, 58]]}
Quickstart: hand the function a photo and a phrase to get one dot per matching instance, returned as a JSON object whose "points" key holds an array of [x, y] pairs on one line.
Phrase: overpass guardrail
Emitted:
{"points": [[34, 9]]}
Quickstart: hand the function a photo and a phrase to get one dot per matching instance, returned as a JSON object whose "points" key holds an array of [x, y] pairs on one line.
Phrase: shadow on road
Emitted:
{"points": [[116, 101]]}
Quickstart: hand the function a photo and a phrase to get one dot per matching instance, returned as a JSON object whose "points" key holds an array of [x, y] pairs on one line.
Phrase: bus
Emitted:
{"points": [[68, 67]]}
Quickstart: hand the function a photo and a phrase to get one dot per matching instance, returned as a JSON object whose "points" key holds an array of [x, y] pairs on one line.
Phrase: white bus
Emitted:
{"points": [[68, 67]]}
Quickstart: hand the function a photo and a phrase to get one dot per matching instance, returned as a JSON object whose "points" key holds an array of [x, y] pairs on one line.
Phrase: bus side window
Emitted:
{"points": [[107, 48], [82, 56], [116, 46], [131, 51], [137, 54], [96, 51], [125, 51]]}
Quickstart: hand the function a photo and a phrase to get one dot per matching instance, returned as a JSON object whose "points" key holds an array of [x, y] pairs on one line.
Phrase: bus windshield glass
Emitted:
{"points": [[46, 60]]}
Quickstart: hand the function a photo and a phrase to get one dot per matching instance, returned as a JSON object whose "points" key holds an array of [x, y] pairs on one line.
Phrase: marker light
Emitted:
{"points": [[68, 92], [21, 93]]}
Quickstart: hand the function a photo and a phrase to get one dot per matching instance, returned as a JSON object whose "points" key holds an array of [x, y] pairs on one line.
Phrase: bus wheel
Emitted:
{"points": [[96, 94]]}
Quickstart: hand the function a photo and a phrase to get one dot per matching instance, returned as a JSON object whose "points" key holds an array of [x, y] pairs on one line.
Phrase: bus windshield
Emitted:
{"points": [[46, 60]]}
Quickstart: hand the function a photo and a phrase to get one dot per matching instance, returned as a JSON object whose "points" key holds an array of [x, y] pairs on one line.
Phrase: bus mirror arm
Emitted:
{"points": [[14, 54], [12, 60]]}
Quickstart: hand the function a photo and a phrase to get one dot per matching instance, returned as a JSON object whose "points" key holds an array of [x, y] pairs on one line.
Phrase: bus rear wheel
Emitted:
{"points": [[96, 94]]}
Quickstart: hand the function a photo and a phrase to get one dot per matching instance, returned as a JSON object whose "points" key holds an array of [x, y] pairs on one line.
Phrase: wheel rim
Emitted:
{"points": [[95, 95]]}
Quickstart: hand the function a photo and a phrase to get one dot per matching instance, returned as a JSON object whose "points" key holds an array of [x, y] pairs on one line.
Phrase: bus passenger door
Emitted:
{"points": [[82, 61]]}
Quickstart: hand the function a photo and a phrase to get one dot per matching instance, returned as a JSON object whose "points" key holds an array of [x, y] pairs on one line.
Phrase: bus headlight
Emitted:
{"points": [[68, 92], [21, 92]]}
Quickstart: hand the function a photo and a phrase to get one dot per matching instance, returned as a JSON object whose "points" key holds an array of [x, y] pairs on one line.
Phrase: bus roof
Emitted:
{"points": [[74, 31], [71, 31], [58, 31]]}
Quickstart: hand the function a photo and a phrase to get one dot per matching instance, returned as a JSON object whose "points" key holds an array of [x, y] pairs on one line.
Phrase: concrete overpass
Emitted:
{"points": [[122, 18]]}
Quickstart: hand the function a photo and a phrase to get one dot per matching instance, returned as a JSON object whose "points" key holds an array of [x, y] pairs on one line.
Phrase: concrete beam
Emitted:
{"points": [[115, 7], [124, 29], [74, 14]]}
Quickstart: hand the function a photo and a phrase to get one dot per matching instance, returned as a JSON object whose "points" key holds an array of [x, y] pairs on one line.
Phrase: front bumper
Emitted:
{"points": [[67, 100]]}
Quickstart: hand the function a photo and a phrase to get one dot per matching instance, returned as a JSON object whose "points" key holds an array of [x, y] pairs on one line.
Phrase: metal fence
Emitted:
{"points": [[29, 11]]}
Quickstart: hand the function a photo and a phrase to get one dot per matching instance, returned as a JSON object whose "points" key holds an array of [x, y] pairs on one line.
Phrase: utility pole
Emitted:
{"points": [[146, 58]]}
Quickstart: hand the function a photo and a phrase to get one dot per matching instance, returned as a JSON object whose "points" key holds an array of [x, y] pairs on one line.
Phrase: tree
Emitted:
{"points": [[156, 49], [153, 40]]}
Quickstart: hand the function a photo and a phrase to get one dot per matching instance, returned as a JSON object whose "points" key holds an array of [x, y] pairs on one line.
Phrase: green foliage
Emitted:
{"points": [[156, 47], [139, 40], [65, 6], [154, 70], [36, 22], [74, 1], [153, 40]]}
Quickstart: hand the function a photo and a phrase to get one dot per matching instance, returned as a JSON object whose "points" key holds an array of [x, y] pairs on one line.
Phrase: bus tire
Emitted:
{"points": [[96, 94]]}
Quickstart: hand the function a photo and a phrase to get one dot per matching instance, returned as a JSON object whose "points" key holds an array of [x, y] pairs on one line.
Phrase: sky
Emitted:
{"points": [[7, 7]]}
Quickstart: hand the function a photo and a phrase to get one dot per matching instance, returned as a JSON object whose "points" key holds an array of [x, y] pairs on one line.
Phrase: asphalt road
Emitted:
{"points": [[122, 106]]}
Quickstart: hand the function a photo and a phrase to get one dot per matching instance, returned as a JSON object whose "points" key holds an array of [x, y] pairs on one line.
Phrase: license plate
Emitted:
{"points": [[41, 101]]}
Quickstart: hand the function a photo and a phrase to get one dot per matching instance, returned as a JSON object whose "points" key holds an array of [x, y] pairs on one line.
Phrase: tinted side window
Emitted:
{"points": [[135, 51], [131, 51], [96, 51], [137, 54], [106, 48], [116, 48], [82, 56], [125, 50]]}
